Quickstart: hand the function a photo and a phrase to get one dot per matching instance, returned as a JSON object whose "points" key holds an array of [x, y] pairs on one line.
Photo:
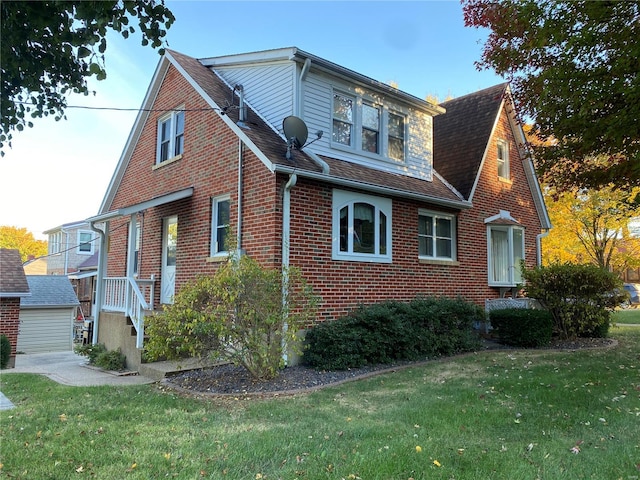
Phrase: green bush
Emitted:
{"points": [[393, 331], [580, 298], [239, 315], [522, 327], [111, 360], [5, 351], [92, 351]]}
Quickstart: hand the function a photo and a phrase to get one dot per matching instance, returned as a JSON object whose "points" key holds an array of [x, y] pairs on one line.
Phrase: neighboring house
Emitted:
{"points": [[73, 251], [35, 266], [13, 287], [397, 197], [70, 245], [47, 316]]}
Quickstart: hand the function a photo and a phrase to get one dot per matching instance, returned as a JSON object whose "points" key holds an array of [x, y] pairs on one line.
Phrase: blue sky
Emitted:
{"points": [[58, 172]]}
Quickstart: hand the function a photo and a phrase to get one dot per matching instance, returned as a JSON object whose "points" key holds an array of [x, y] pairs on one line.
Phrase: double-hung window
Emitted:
{"points": [[395, 130], [505, 244], [503, 159], [55, 243], [342, 131], [370, 128], [85, 242], [170, 136], [361, 227], [220, 226], [436, 236]]}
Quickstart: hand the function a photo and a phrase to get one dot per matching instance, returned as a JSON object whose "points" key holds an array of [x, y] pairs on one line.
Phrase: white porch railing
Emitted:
{"points": [[131, 297]]}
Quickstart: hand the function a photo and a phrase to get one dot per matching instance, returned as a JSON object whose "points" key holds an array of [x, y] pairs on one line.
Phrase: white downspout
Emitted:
{"points": [[539, 238], [66, 251], [286, 236], [303, 75], [99, 277], [240, 160]]}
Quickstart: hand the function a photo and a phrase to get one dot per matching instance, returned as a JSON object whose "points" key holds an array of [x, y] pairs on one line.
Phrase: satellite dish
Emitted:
{"points": [[295, 130]]}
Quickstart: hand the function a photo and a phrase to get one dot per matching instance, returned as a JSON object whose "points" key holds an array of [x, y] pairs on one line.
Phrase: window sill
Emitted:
{"points": [[508, 181], [368, 156], [433, 261], [360, 258], [166, 162], [218, 258]]}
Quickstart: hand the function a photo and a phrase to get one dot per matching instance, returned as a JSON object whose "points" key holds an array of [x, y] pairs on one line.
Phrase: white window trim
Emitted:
{"points": [[172, 138], [80, 242], [356, 128], [505, 161], [511, 281], [213, 245], [55, 243], [454, 251], [342, 198]]}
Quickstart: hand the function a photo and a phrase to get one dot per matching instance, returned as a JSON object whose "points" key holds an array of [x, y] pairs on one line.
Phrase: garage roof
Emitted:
{"points": [[49, 291]]}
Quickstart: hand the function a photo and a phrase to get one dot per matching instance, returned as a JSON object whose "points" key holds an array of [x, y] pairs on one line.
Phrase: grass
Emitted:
{"points": [[513, 414], [627, 316]]}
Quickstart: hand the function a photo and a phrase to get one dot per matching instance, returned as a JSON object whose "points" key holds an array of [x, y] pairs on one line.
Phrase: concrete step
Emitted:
{"points": [[158, 370]]}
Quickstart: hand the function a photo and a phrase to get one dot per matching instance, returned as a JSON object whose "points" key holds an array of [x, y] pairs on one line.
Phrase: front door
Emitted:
{"points": [[169, 243]]}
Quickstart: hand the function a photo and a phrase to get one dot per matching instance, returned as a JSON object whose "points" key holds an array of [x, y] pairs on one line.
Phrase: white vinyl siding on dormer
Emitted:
{"points": [[269, 88]]}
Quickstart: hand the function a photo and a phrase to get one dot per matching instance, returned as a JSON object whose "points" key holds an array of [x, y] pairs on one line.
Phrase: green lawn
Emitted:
{"points": [[627, 316], [515, 414]]}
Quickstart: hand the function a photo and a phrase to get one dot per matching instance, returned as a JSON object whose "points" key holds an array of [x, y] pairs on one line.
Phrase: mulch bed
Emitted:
{"points": [[236, 381]]}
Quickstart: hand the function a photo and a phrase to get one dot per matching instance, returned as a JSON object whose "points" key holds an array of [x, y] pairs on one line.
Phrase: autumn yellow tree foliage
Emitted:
{"points": [[22, 240], [592, 226]]}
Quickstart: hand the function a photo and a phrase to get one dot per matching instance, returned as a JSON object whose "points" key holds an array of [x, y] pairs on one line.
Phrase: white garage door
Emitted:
{"points": [[45, 330]]}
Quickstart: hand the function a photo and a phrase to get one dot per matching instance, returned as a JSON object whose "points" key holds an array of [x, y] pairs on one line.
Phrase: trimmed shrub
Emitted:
{"points": [[5, 351], [92, 351], [522, 327], [111, 360], [393, 331], [580, 298]]}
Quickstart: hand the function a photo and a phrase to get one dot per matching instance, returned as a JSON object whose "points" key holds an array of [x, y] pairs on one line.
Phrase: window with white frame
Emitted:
{"points": [[436, 236], [395, 131], [505, 244], [361, 227], [170, 136], [220, 208], [342, 119], [361, 125], [136, 255], [503, 159], [55, 243], [85, 242]]}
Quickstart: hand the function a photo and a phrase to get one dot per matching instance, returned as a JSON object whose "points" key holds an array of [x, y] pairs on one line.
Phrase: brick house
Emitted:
{"points": [[390, 197], [13, 287]]}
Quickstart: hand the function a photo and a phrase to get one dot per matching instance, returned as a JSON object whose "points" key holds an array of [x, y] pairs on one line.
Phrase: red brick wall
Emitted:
{"points": [[10, 320], [209, 164]]}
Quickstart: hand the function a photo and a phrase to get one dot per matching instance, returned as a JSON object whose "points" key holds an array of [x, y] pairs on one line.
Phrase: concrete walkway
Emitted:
{"points": [[67, 368]]}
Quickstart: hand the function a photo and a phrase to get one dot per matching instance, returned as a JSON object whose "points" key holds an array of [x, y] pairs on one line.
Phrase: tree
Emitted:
{"points": [[22, 240], [592, 226], [574, 68], [50, 48]]}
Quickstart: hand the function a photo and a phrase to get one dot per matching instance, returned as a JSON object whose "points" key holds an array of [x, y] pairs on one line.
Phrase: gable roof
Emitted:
{"points": [[13, 282], [49, 291], [461, 136], [269, 145]]}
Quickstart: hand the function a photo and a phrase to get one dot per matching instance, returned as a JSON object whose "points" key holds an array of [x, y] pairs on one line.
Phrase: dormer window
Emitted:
{"points": [[396, 136], [370, 128], [342, 119], [170, 136]]}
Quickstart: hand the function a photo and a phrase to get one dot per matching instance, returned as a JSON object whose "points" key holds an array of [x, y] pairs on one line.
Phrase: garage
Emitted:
{"points": [[47, 316]]}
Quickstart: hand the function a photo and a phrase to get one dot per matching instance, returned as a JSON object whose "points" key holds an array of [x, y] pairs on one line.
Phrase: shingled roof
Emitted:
{"points": [[13, 282], [50, 291], [273, 146], [461, 136]]}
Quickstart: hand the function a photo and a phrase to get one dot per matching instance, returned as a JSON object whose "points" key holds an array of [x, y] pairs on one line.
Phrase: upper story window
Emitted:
{"points": [[170, 136], [370, 128], [505, 244], [342, 119], [361, 227], [436, 236], [85, 242], [396, 136], [503, 159], [365, 127], [55, 243], [220, 225]]}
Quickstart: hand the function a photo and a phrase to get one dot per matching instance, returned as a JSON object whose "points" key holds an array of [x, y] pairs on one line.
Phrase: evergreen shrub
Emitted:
{"points": [[522, 327], [5, 351]]}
